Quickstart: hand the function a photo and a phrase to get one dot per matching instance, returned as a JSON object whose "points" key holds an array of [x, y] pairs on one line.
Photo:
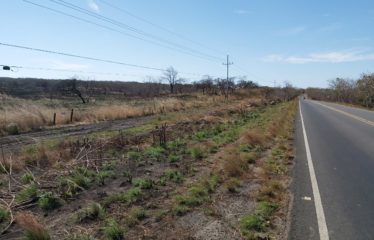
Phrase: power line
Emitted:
{"points": [[67, 70], [128, 27], [111, 29], [90, 58], [159, 26], [115, 30]]}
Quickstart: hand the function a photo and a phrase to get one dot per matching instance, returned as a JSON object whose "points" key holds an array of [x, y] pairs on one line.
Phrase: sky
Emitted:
{"points": [[305, 43]]}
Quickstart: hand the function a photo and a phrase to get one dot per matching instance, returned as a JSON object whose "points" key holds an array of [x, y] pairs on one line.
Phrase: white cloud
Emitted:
{"points": [[325, 57], [93, 5], [241, 11]]}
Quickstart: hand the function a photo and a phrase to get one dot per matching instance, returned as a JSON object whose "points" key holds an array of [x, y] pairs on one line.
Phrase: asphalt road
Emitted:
{"points": [[335, 195]]}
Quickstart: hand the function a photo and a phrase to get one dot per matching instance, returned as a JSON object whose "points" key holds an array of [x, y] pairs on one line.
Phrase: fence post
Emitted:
{"points": [[71, 115], [54, 119]]}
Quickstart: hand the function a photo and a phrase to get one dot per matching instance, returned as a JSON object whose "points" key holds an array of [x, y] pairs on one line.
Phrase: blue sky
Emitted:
{"points": [[303, 42]]}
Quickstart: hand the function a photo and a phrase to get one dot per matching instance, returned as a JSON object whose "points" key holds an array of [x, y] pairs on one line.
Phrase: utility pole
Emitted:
{"points": [[228, 63]]}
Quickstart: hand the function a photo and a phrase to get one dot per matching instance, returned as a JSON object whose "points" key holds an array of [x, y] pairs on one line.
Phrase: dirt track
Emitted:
{"points": [[16, 141]]}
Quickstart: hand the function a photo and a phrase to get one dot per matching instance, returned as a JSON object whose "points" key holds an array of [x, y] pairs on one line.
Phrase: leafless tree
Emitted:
{"points": [[171, 76]]}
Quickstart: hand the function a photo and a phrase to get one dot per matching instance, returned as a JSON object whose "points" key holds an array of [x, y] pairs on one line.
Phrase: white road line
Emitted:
{"points": [[322, 227], [347, 114]]}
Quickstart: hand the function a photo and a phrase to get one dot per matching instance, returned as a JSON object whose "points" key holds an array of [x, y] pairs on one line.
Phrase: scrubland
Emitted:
{"points": [[203, 168]]}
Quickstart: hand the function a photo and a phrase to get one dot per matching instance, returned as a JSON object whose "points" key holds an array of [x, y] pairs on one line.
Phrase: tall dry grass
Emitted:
{"points": [[29, 115]]}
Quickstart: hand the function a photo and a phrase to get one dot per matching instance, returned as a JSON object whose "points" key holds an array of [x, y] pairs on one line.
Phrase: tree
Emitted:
{"points": [[365, 89], [71, 86], [344, 89], [171, 76]]}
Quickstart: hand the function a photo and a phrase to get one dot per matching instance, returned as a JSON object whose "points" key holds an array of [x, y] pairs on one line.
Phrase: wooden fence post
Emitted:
{"points": [[54, 119], [71, 115]]}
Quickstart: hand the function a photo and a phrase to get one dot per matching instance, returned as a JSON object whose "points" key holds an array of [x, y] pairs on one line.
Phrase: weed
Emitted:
{"points": [[27, 178], [266, 209], [12, 129], [102, 175], [33, 229], [112, 230], [30, 192], [4, 214], [135, 215], [232, 185], [176, 145], [134, 156], [94, 211], [172, 175], [154, 153], [197, 153], [143, 183], [48, 201], [270, 191], [131, 196], [252, 222], [180, 209], [160, 215], [174, 158]]}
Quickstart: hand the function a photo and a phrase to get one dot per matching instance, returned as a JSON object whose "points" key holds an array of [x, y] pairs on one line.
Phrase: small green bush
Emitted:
{"points": [[180, 210], [196, 153], [27, 178], [134, 156], [28, 193], [143, 183], [172, 175], [131, 196], [174, 158], [252, 222], [101, 176], [4, 214], [154, 153], [48, 201], [12, 129], [94, 211], [266, 209], [135, 215], [112, 230]]}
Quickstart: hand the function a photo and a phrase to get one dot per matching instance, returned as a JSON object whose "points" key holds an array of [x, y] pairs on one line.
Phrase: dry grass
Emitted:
{"points": [[234, 164], [253, 137], [29, 114], [33, 229]]}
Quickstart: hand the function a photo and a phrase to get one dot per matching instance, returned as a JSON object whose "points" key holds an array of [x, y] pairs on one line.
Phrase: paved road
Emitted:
{"points": [[333, 187]]}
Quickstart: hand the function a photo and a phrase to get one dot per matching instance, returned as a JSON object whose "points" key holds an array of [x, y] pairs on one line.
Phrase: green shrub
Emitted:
{"points": [[154, 153], [48, 201], [135, 215], [102, 175], [172, 175], [128, 197], [4, 214], [232, 185], [134, 156], [197, 153], [174, 158], [252, 222], [30, 192], [12, 129], [94, 211], [143, 183], [180, 210], [112, 230], [27, 178], [266, 209]]}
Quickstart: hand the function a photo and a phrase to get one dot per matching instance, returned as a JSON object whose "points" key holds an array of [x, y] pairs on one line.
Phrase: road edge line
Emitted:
{"points": [[321, 220], [347, 114]]}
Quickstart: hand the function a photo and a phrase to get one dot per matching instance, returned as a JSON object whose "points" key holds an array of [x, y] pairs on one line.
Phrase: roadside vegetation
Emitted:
{"points": [[215, 166], [358, 92]]}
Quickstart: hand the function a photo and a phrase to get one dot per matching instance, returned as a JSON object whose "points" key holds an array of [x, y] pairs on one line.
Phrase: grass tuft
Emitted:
{"points": [[33, 229], [94, 211], [113, 230]]}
